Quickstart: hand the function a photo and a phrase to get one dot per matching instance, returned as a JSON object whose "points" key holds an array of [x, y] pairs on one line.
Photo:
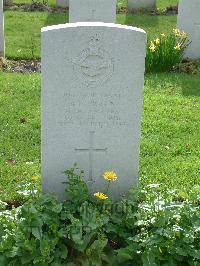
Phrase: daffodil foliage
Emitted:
{"points": [[166, 51]]}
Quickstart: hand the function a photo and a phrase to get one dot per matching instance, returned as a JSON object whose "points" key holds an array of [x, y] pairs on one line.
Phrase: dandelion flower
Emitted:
{"points": [[162, 35], [178, 47], [100, 196], [110, 175], [34, 178], [157, 41]]}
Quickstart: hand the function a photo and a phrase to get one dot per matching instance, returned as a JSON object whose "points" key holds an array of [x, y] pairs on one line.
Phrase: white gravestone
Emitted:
{"points": [[141, 4], [1, 29], [189, 21], [92, 10], [91, 103], [62, 3]]}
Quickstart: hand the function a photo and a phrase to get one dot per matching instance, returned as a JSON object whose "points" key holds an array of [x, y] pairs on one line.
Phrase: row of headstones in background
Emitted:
{"points": [[90, 10], [1, 29], [132, 4], [92, 83], [189, 21]]}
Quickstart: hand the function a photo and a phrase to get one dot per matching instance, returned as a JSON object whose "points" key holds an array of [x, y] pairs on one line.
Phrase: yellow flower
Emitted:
{"points": [[184, 34], [100, 196], [179, 33], [176, 32], [178, 47], [152, 48], [34, 178], [110, 175], [162, 35], [157, 41]]}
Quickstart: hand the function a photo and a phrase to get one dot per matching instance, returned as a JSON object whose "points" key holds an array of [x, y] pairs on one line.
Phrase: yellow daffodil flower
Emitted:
{"points": [[157, 41], [178, 47], [184, 34], [176, 32], [100, 196], [179, 33], [110, 175], [152, 48]]}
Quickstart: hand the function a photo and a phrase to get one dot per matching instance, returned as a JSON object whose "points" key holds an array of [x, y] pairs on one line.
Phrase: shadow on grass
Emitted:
{"points": [[141, 20], [56, 18], [186, 84], [190, 85]]}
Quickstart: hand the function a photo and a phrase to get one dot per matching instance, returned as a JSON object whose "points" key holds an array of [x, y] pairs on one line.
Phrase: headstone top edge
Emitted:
{"points": [[91, 24]]}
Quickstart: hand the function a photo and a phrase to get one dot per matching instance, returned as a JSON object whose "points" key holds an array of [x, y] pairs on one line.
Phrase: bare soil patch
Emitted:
{"points": [[36, 7], [20, 66]]}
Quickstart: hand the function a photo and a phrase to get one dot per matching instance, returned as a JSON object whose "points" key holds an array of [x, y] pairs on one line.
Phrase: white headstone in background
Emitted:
{"points": [[189, 21], [92, 10], [62, 3], [1, 29], [141, 4], [91, 103]]}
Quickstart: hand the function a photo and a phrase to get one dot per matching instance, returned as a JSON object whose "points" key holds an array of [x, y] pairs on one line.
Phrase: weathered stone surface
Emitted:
{"points": [[92, 10], [92, 84], [1, 29], [141, 4], [62, 3], [189, 21]]}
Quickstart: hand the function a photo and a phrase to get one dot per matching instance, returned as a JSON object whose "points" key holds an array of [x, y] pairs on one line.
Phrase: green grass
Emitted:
{"points": [[165, 3], [170, 130], [22, 29], [170, 126], [22, 32], [19, 98], [153, 25]]}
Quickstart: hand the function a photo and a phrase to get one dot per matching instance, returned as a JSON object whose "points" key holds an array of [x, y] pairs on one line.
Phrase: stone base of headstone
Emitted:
{"points": [[134, 5], [62, 3]]}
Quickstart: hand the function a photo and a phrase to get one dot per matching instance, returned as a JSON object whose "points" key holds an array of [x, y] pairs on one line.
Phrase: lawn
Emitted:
{"points": [[22, 29], [170, 124], [160, 3], [155, 225], [170, 131]]}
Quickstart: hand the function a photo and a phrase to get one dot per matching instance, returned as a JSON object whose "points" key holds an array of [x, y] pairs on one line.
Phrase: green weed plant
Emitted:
{"points": [[147, 227]]}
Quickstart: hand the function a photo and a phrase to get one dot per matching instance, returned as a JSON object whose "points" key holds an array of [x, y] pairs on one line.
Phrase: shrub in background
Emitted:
{"points": [[166, 51]]}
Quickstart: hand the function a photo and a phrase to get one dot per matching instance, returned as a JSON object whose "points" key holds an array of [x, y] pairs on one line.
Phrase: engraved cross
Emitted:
{"points": [[91, 151]]}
